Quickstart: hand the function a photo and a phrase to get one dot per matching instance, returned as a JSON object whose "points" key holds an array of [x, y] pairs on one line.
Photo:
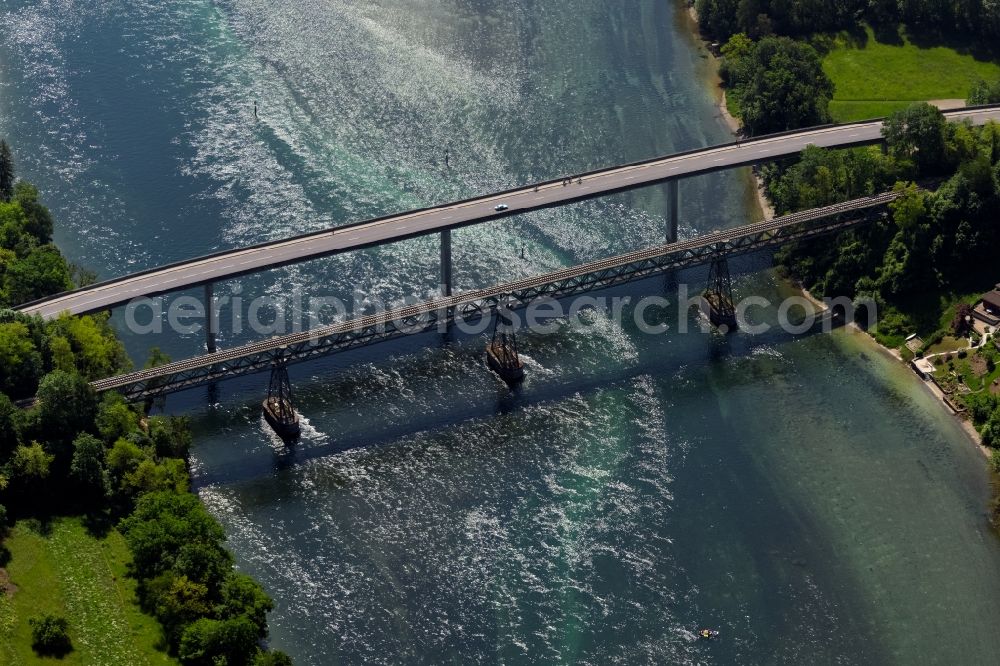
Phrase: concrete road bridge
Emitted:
{"points": [[474, 305], [204, 271]]}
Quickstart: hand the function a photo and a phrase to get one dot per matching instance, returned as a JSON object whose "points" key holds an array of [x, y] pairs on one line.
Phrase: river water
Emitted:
{"points": [[800, 493]]}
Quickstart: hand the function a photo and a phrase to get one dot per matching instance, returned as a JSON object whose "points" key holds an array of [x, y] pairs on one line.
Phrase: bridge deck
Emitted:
{"points": [[475, 304], [480, 209]]}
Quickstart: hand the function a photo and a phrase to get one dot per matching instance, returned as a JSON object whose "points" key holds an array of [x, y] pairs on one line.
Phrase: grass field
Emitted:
{"points": [[879, 78], [66, 571]]}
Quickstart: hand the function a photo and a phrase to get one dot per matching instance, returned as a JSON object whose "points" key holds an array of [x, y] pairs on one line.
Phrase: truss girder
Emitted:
{"points": [[473, 305]]}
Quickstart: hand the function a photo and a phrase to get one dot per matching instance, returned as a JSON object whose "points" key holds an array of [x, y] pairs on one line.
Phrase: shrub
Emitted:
{"points": [[170, 435], [115, 420], [87, 468], [990, 432], [50, 635], [273, 658], [206, 640], [995, 461]]}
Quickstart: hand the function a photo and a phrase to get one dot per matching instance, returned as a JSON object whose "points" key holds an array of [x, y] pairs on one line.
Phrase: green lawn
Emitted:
{"points": [[875, 80], [66, 571], [948, 344], [973, 371]]}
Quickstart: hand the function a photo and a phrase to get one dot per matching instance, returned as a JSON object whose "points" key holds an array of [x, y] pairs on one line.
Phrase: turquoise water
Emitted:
{"points": [[803, 495]]}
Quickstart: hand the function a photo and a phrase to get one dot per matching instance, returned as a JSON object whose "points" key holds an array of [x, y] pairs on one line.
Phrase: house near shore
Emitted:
{"points": [[991, 301], [988, 308]]}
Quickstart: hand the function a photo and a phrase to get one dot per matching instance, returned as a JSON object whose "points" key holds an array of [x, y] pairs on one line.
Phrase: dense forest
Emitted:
{"points": [[937, 246], [76, 452], [936, 251], [973, 20]]}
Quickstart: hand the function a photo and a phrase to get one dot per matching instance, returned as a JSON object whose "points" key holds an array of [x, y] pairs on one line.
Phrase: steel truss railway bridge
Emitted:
{"points": [[473, 306], [669, 170]]}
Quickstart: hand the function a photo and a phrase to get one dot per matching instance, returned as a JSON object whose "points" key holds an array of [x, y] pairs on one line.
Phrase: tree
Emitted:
{"points": [[961, 324], [786, 87], [30, 464], [207, 564], [242, 595], [14, 234], [150, 476], [39, 219], [67, 406], [50, 635], [6, 172], [983, 92], [990, 431], [98, 352], [918, 133], [718, 17], [87, 468], [115, 419], [207, 640], [157, 357], [161, 523], [736, 57], [61, 354], [43, 272], [177, 602], [170, 435], [20, 362], [8, 427], [123, 459]]}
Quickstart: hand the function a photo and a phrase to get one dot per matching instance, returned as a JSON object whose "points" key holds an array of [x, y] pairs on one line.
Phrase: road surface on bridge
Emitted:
{"points": [[475, 304], [261, 257]]}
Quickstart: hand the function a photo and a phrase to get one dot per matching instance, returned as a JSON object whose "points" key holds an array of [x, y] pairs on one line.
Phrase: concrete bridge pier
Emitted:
{"points": [[446, 285], [673, 209], [673, 220], [211, 325], [446, 278]]}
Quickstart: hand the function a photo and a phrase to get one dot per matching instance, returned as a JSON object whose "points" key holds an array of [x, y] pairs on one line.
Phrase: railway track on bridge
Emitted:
{"points": [[473, 305]]}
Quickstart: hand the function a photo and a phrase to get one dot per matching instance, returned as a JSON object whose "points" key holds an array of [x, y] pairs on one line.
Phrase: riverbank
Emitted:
{"points": [[719, 94], [767, 209], [930, 386]]}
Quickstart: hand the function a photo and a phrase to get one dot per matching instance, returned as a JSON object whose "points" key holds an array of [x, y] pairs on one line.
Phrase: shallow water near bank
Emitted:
{"points": [[801, 494]]}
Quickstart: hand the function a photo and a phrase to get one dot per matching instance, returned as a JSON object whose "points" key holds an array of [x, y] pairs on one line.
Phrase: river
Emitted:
{"points": [[802, 494]]}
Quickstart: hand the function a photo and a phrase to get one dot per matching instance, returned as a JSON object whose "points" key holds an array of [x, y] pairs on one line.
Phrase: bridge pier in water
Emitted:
{"points": [[717, 300], [211, 325], [673, 209], [501, 352], [709, 249], [279, 410], [446, 277]]}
